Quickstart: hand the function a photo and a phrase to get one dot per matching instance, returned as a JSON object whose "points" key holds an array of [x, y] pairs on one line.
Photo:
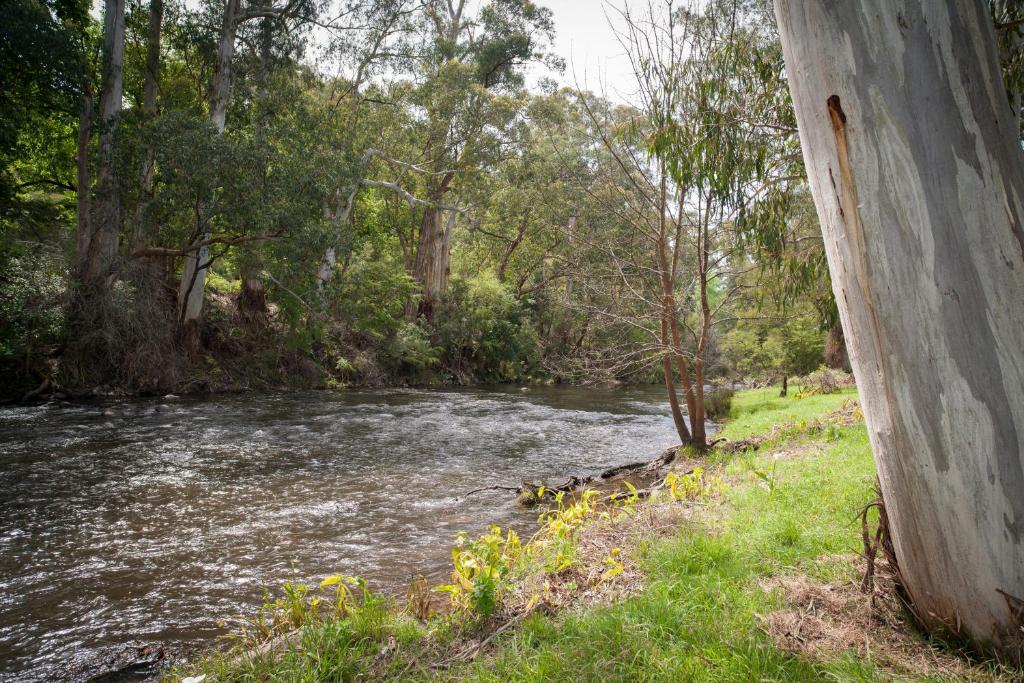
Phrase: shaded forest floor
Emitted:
{"points": [[747, 570]]}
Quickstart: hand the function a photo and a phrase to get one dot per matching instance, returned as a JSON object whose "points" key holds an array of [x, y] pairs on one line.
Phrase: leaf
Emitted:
{"points": [[331, 581]]}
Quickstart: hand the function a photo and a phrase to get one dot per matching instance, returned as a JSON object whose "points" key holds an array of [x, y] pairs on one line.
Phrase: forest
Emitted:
{"points": [[203, 198], [210, 199]]}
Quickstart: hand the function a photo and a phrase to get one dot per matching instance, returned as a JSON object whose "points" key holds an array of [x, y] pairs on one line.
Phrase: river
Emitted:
{"points": [[148, 521]]}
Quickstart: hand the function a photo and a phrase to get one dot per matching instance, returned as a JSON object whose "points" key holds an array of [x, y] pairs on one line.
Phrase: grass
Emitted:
{"points": [[701, 612]]}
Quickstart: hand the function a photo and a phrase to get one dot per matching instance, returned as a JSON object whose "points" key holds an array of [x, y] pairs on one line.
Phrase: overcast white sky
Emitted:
{"points": [[587, 43]]}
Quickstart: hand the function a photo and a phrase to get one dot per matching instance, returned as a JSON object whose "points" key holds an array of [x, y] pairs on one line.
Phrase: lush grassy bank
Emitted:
{"points": [[756, 579]]}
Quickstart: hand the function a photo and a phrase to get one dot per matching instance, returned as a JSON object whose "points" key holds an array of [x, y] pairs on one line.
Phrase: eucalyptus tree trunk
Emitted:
{"points": [[149, 110], [83, 180], [197, 263], [917, 173], [105, 223], [252, 298], [433, 253]]}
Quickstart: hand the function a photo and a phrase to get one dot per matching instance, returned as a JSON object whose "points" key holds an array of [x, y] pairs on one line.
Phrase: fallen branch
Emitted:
{"points": [[515, 489], [666, 458]]}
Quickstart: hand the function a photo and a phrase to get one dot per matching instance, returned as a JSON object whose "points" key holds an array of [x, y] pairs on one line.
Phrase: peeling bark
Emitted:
{"points": [[918, 178], [433, 253]]}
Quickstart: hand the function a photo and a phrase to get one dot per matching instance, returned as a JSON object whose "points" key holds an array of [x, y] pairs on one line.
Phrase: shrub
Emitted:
{"points": [[823, 381], [485, 332], [718, 403], [32, 292]]}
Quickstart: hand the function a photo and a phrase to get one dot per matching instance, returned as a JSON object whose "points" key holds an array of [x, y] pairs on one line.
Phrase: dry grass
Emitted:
{"points": [[824, 621]]}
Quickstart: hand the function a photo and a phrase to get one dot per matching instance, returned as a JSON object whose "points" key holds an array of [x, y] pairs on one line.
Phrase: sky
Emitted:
{"points": [[594, 58]]}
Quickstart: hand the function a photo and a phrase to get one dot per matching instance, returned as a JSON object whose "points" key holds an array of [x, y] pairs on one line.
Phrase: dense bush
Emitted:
{"points": [[32, 291], [486, 333], [718, 403]]}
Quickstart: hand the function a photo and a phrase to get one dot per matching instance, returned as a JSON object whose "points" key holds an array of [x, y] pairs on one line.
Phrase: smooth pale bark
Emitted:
{"points": [[193, 276], [105, 224], [149, 110], [327, 263], [918, 177]]}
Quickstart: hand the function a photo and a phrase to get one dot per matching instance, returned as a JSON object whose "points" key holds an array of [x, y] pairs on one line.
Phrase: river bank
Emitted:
{"points": [[745, 567]]}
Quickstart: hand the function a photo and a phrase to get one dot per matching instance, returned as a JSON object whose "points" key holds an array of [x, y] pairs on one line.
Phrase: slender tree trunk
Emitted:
{"points": [[252, 299], [106, 219], [570, 281], [670, 385], [142, 238], [513, 244], [193, 279], [918, 177], [84, 180]]}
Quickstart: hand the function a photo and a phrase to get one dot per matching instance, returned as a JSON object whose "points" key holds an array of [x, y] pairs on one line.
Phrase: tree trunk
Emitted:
{"points": [[106, 219], [918, 178], [670, 384], [433, 259], [193, 279], [142, 238], [252, 299], [83, 180], [836, 356], [571, 241]]}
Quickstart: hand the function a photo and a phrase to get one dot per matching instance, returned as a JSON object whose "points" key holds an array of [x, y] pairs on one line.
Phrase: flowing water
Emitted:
{"points": [[150, 521]]}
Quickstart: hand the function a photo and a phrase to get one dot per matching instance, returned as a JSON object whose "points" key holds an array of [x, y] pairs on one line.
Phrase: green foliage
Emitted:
{"points": [[718, 402], [411, 347], [766, 349], [42, 73], [486, 334], [693, 485], [371, 296], [32, 298], [481, 569]]}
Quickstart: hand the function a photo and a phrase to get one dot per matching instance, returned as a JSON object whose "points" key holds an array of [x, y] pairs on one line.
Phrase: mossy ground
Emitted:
{"points": [[709, 590]]}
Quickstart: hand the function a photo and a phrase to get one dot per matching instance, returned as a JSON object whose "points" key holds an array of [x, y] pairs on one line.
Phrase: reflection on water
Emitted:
{"points": [[147, 521]]}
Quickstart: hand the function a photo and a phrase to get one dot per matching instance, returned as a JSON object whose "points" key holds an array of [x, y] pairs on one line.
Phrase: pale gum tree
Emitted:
{"points": [[913, 154], [197, 259], [100, 232], [471, 68]]}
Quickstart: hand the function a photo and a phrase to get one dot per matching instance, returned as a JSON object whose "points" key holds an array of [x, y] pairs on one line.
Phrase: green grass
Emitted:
{"points": [[756, 411], [697, 618]]}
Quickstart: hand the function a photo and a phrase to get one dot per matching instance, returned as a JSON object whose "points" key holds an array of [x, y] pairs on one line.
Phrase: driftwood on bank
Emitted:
{"points": [[666, 458], [533, 493]]}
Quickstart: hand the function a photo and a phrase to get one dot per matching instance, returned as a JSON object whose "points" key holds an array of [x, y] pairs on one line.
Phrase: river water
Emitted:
{"points": [[148, 521]]}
